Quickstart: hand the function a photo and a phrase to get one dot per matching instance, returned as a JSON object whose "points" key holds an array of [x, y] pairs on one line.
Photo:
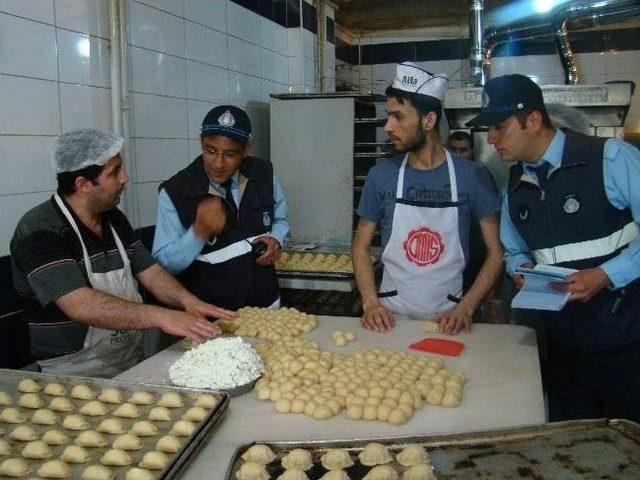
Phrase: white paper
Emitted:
{"points": [[537, 294]]}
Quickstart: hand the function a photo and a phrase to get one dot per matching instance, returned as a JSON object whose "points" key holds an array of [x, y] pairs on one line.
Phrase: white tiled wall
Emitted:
{"points": [[186, 56]]}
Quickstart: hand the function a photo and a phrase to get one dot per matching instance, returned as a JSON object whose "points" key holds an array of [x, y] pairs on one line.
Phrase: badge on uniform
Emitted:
{"points": [[571, 204], [266, 219], [523, 213]]}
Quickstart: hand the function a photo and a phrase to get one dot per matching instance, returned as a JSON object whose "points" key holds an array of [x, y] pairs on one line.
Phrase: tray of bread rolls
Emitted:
{"points": [[316, 264], [58, 426], [585, 449]]}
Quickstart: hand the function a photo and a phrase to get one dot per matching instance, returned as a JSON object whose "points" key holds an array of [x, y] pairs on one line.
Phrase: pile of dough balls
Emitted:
{"points": [[413, 461], [270, 324], [340, 338], [373, 384], [431, 327], [85, 431], [315, 262]]}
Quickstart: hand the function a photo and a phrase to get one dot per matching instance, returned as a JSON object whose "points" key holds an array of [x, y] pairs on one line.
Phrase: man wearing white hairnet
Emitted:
{"points": [[76, 264], [423, 201]]}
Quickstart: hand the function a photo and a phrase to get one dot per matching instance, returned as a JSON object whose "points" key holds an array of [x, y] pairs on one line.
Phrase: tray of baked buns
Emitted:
{"points": [[58, 426], [578, 449]]}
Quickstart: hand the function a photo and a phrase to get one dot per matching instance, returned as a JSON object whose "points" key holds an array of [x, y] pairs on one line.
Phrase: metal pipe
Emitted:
{"points": [[476, 53], [114, 65]]}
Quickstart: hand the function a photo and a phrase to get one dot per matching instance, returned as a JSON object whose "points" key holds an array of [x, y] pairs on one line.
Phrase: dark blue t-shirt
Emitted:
{"points": [[477, 195]]}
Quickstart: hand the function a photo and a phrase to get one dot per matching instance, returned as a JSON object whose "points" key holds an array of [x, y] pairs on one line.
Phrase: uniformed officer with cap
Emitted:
{"points": [[423, 201], [222, 220], [572, 201]]}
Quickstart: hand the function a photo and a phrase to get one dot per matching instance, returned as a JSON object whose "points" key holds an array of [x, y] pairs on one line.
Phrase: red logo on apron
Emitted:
{"points": [[423, 246]]}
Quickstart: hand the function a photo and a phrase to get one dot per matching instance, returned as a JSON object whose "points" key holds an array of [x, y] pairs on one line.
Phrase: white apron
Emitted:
{"points": [[423, 261], [106, 353]]}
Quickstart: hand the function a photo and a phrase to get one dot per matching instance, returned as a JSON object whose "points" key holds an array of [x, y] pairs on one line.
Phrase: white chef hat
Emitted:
{"points": [[413, 79]]}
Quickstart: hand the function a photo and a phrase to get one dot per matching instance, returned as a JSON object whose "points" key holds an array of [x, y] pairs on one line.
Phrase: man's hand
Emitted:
{"points": [[453, 321], [584, 285], [210, 218], [271, 254], [183, 324], [198, 308], [376, 317], [519, 279]]}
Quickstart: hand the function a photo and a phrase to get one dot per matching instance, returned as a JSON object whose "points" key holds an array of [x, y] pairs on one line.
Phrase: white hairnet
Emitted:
{"points": [[82, 148]]}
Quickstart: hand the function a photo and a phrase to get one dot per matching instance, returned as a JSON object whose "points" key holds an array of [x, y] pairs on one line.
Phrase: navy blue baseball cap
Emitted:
{"points": [[503, 96], [227, 120]]}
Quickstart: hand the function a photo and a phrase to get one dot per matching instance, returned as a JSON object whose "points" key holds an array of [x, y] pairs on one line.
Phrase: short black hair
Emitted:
{"points": [[461, 135], [422, 103], [67, 180]]}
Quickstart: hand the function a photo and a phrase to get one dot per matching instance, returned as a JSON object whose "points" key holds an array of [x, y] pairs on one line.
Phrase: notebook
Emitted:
{"points": [[537, 294]]}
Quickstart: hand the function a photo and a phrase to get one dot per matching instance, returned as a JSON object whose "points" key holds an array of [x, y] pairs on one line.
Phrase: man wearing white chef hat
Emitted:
{"points": [[422, 201], [76, 264]]}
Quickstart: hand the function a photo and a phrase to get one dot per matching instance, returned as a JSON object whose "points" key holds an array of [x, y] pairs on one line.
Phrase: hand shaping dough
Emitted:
{"points": [[141, 398], [94, 408], [139, 474], [82, 392], [259, 454], [97, 472], [116, 457], [12, 415], [128, 441], [144, 428], [381, 472], [30, 400], [61, 404], [29, 385], [336, 459], [375, 454], [154, 460], [298, 459], [54, 437], [420, 471], [90, 438], [412, 455], [112, 426], [36, 449], [111, 395], [168, 444], [252, 471], [44, 416], [14, 467], [23, 433], [55, 390], [75, 454], [54, 469], [75, 422], [171, 400]]}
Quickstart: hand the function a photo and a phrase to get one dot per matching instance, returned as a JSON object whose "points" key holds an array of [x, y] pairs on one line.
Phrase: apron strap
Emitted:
{"points": [[452, 177]]}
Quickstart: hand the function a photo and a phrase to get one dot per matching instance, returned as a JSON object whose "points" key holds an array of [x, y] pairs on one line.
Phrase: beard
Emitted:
{"points": [[415, 142]]}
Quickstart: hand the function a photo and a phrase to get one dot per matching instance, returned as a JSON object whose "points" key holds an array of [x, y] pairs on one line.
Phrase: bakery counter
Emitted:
{"points": [[504, 389]]}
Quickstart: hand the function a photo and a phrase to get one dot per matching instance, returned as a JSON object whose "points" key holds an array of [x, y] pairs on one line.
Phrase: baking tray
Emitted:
{"points": [[9, 380], [579, 449]]}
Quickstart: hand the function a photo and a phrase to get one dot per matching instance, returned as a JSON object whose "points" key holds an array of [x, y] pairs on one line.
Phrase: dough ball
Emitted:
{"points": [[259, 454], [127, 410], [252, 471], [30, 400], [14, 467], [282, 406], [110, 395], [83, 392], [94, 408], [154, 460], [431, 327], [128, 441], [298, 459], [450, 399], [434, 397], [354, 412], [54, 469], [335, 475], [5, 448], [55, 437], [293, 474], [337, 334], [381, 472], [23, 433], [160, 414], [340, 342], [397, 416], [111, 425], [412, 455], [75, 454], [336, 459], [97, 472], [144, 428], [369, 412], [29, 385], [206, 400], [75, 422], [5, 399], [375, 454], [141, 398], [168, 444], [61, 404], [44, 416], [116, 457], [139, 474], [195, 414], [182, 428], [12, 415], [171, 400], [298, 404], [90, 439], [55, 389], [420, 471], [36, 449]]}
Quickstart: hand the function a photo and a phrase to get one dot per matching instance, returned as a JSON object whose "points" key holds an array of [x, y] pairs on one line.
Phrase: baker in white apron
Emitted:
{"points": [[423, 260], [106, 353]]}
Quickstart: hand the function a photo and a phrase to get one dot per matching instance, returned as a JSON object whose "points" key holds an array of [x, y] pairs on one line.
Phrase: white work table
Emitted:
{"points": [[504, 389]]}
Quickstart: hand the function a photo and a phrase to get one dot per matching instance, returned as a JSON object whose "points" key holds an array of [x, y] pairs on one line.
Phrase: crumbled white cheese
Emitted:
{"points": [[219, 364]]}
